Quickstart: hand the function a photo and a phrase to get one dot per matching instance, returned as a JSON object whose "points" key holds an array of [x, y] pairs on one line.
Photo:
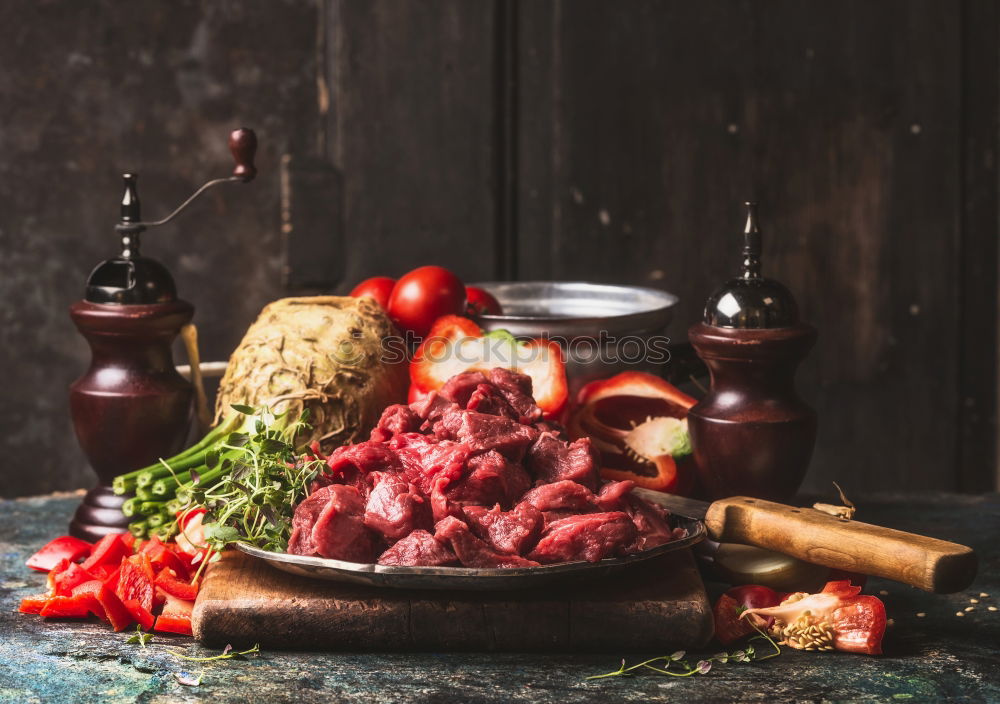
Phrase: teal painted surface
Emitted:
{"points": [[939, 657]]}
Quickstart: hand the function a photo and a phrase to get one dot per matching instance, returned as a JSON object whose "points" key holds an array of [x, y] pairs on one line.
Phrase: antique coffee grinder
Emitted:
{"points": [[751, 434], [131, 407]]}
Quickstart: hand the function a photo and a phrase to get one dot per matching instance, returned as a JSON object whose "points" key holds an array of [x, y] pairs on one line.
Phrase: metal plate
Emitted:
{"points": [[573, 309], [469, 578]]}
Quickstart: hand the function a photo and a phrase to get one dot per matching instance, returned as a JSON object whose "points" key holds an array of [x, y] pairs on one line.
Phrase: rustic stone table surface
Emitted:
{"points": [[938, 657]]}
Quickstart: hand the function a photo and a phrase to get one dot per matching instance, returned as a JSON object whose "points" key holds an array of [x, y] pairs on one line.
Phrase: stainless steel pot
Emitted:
{"points": [[602, 328]]}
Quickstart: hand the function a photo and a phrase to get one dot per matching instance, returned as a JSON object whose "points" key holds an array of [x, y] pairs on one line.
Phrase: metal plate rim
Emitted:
{"points": [[465, 578]]}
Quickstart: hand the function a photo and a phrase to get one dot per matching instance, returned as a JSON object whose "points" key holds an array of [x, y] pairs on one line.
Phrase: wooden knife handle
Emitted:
{"points": [[811, 535]]}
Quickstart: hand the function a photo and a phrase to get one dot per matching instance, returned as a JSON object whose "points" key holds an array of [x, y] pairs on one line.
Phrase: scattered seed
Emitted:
{"points": [[973, 601], [983, 595], [883, 592], [991, 608], [970, 608], [960, 613], [891, 622], [920, 614]]}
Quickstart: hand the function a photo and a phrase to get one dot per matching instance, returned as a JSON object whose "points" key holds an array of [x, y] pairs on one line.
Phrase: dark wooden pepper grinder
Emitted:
{"points": [[751, 434], [131, 407]]}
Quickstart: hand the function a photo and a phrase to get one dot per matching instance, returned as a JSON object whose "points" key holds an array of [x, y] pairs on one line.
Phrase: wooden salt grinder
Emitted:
{"points": [[751, 434]]}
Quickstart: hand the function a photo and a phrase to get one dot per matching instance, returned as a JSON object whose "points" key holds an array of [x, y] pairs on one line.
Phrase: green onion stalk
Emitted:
{"points": [[155, 487]]}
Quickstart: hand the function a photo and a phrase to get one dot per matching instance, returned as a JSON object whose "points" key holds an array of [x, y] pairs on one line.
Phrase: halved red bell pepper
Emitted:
{"points": [[33, 604], [637, 422], [111, 608], [63, 548], [109, 550], [136, 581], [176, 617], [857, 621], [456, 344], [168, 581]]}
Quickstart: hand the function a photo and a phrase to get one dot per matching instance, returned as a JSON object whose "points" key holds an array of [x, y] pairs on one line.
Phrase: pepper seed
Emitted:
{"points": [[983, 595], [973, 601], [960, 613], [920, 614], [991, 608], [970, 608]]}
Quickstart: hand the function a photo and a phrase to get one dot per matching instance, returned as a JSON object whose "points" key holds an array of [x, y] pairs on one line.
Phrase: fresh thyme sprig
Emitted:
{"points": [[226, 654], [140, 637], [683, 668], [262, 479]]}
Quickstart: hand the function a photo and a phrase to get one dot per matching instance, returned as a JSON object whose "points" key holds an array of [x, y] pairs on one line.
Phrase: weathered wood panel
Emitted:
{"points": [[88, 90], [649, 125], [412, 128]]}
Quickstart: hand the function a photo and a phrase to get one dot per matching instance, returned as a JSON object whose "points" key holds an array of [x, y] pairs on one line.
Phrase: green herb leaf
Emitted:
{"points": [[245, 410]]}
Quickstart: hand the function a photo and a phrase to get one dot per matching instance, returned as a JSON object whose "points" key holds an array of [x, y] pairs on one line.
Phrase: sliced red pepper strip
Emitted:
{"points": [[140, 614], [437, 360], [63, 548], [79, 606], [161, 558], [109, 550], [50, 580], [167, 581], [112, 577], [136, 581], [64, 581], [176, 617], [33, 604], [112, 609]]}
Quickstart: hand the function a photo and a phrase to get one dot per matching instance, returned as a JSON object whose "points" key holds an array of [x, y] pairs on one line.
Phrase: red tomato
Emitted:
{"points": [[729, 627], [378, 287], [424, 295], [481, 302]]}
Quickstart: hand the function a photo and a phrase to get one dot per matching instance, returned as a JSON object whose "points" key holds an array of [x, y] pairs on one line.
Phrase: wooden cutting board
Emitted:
{"points": [[661, 604]]}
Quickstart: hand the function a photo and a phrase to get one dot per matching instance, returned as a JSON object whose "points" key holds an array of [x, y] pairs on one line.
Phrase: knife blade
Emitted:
{"points": [[927, 563]]}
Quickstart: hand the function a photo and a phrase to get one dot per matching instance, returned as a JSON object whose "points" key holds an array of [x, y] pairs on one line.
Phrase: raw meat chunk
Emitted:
{"points": [[460, 387], [487, 399], [473, 552], [431, 408], [566, 495], [650, 521], [340, 532], [482, 431], [512, 532], [551, 459], [590, 537], [548, 426], [419, 548], [395, 419], [303, 520], [424, 460], [395, 507], [516, 388], [364, 457], [610, 496]]}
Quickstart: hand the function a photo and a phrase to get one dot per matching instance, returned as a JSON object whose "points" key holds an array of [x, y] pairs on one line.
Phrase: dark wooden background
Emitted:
{"points": [[610, 141]]}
